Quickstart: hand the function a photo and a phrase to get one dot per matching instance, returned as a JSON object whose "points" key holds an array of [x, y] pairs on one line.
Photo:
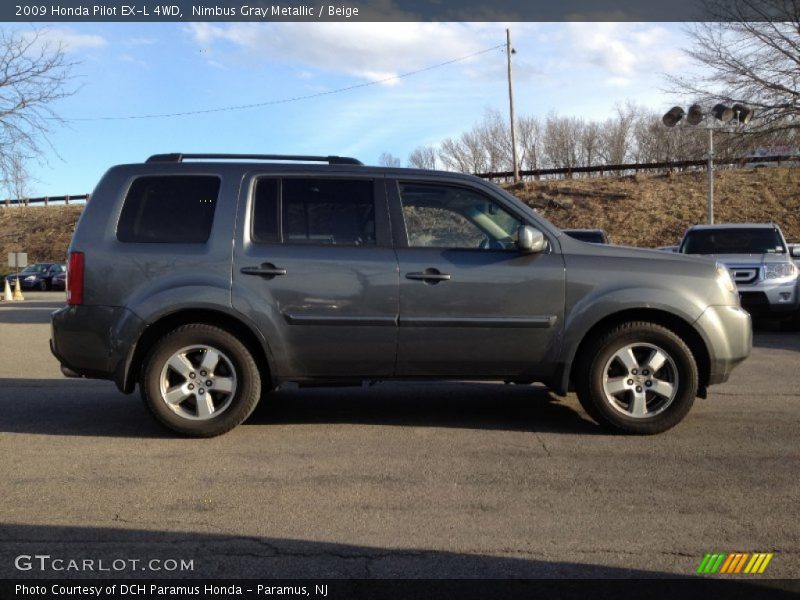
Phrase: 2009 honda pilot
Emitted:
{"points": [[209, 279]]}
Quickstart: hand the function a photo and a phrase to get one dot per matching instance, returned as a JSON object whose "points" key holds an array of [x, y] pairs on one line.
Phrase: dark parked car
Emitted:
{"points": [[59, 281], [37, 276], [593, 236], [207, 282]]}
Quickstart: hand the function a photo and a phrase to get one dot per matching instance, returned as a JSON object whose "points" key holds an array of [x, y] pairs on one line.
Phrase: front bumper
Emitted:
{"points": [[728, 332], [770, 298]]}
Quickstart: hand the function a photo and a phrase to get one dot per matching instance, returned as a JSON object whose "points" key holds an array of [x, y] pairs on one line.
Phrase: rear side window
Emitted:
{"points": [[338, 212], [174, 209]]}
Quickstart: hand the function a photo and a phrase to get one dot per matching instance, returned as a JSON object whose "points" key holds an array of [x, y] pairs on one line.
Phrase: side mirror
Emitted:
{"points": [[795, 251], [530, 239]]}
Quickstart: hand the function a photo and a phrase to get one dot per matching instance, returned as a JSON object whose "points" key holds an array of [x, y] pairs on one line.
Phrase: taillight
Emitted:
{"points": [[75, 278]]}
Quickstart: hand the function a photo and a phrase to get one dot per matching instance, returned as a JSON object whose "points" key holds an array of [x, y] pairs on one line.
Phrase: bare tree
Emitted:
{"points": [[749, 52], [33, 75], [529, 130], [561, 142], [388, 160], [617, 135], [422, 157]]}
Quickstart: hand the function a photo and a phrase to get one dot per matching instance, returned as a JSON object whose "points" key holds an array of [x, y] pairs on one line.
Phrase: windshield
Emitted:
{"points": [[594, 237], [733, 241], [35, 269]]}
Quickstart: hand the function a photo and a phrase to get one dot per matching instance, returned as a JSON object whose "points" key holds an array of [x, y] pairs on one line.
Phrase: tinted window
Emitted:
{"points": [[265, 211], [328, 211], [440, 216], [176, 209], [733, 241]]}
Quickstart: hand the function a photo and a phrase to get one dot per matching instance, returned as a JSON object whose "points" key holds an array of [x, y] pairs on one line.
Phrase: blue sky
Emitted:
{"points": [[123, 69]]}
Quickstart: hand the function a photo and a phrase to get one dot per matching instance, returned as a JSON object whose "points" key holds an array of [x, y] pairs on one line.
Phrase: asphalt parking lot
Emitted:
{"points": [[397, 480]]}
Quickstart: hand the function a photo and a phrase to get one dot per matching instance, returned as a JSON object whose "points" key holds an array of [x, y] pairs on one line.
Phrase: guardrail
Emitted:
{"points": [[535, 173], [636, 167], [46, 200]]}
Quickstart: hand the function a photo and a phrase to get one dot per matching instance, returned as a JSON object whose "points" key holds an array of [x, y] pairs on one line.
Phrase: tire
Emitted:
{"points": [[174, 381], [43, 285], [791, 323], [638, 378]]}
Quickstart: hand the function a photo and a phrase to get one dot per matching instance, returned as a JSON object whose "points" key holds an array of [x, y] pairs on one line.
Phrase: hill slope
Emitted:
{"points": [[639, 210]]}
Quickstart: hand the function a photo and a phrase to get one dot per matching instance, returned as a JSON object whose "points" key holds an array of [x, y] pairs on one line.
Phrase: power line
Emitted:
{"points": [[292, 99]]}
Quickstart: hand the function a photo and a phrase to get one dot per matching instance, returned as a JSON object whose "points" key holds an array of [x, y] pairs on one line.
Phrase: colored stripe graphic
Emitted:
{"points": [[734, 563]]}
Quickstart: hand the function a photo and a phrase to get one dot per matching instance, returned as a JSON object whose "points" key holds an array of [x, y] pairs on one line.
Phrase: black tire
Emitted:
{"points": [[236, 364], [588, 379], [791, 323], [43, 285]]}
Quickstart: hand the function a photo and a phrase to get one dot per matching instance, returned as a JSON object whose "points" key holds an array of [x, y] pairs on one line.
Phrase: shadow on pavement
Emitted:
{"points": [[231, 556], [28, 312], [776, 341], [92, 408], [422, 404]]}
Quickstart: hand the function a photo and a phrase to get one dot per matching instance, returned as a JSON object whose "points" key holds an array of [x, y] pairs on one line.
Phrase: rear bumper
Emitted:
{"points": [[729, 337], [94, 341]]}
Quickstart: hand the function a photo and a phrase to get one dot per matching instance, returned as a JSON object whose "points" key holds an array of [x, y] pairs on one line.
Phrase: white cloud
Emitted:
{"points": [[371, 51], [624, 50], [71, 40]]}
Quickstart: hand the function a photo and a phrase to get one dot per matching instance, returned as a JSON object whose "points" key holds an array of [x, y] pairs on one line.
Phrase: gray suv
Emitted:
{"points": [[208, 279]]}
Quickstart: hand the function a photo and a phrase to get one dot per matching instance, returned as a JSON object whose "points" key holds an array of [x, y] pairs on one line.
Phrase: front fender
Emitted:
{"points": [[603, 304]]}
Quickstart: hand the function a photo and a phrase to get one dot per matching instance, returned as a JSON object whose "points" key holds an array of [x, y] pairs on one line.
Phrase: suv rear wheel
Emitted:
{"points": [[637, 378], [199, 380]]}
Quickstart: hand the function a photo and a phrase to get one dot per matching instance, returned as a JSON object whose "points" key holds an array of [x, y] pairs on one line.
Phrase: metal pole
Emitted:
{"points": [[509, 51], [710, 202]]}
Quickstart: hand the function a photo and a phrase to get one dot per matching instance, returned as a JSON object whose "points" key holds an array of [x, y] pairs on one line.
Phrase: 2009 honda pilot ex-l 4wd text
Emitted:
{"points": [[208, 282]]}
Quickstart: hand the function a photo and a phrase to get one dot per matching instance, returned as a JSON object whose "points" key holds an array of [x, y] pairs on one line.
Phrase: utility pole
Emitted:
{"points": [[512, 121], [710, 169]]}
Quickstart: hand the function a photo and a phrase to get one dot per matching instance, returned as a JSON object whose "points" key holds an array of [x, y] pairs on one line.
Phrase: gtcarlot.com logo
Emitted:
{"points": [[46, 563], [733, 563]]}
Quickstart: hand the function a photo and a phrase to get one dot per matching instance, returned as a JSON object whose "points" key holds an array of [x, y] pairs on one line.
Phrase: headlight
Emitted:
{"points": [[780, 271], [725, 280], [30, 278]]}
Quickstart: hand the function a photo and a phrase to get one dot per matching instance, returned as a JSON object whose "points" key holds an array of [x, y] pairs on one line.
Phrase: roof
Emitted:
{"points": [[733, 226]]}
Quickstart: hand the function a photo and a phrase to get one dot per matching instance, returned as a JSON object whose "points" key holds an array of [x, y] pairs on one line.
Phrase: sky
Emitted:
{"points": [[134, 70]]}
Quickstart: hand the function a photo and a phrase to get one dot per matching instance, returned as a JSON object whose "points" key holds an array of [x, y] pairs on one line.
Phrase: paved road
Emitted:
{"points": [[399, 480]]}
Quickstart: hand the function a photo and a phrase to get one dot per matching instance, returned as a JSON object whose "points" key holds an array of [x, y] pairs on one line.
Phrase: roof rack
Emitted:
{"points": [[331, 160]]}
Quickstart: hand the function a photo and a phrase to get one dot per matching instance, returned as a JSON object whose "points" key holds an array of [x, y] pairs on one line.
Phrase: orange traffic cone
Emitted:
{"points": [[7, 296], [18, 290]]}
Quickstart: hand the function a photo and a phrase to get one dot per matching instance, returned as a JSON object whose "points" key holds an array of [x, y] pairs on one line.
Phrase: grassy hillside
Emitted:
{"points": [[655, 210], [640, 210]]}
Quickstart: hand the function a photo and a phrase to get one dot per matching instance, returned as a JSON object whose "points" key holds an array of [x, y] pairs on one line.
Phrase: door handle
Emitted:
{"points": [[266, 270], [431, 276]]}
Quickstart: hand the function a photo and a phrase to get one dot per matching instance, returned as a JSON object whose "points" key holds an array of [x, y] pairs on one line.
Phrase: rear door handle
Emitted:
{"points": [[266, 270], [429, 276]]}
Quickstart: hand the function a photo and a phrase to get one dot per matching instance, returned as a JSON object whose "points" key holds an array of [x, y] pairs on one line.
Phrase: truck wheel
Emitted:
{"points": [[792, 322], [200, 381], [637, 378]]}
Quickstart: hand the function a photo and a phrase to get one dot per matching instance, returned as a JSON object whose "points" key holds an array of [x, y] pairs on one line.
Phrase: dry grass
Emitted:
{"points": [[655, 210], [640, 210], [44, 233]]}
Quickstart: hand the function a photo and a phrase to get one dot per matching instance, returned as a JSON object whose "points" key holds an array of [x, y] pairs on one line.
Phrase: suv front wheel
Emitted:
{"points": [[199, 380], [637, 378]]}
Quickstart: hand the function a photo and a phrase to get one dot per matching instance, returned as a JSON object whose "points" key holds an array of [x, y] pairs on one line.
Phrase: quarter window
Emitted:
{"points": [[177, 209]]}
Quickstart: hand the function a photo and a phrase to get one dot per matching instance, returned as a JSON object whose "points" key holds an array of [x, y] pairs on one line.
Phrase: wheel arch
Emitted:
{"points": [[246, 334], [691, 337]]}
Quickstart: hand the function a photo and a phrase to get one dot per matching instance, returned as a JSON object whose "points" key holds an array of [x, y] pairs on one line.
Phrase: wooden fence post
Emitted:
{"points": [[66, 199]]}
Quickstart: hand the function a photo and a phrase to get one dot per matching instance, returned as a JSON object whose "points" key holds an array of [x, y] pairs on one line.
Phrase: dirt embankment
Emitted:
{"points": [[655, 210], [640, 210]]}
